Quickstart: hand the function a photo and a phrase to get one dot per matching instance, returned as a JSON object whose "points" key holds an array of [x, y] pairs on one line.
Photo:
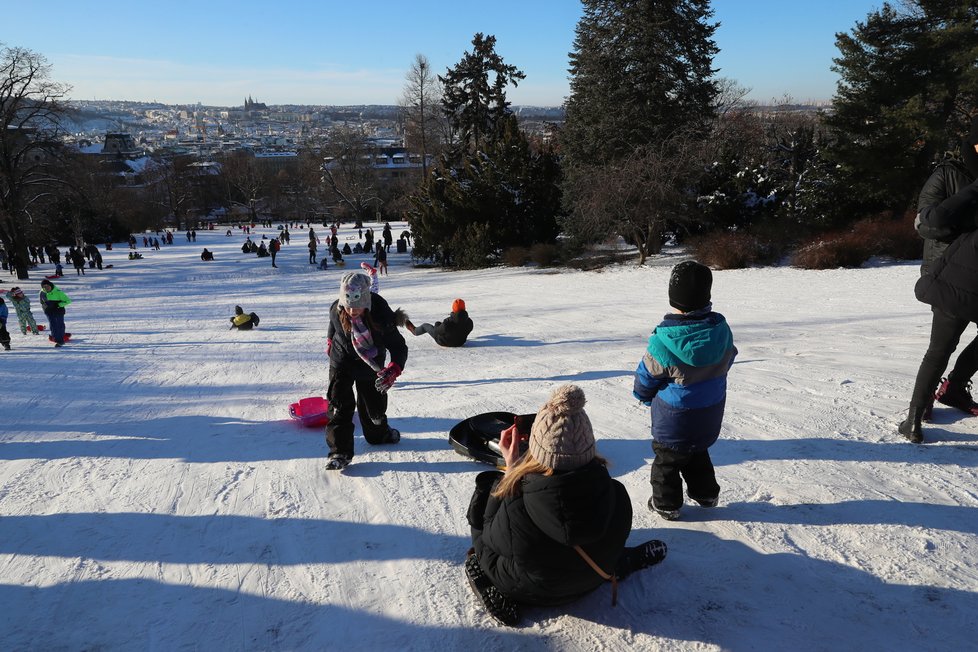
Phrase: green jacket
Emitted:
{"points": [[54, 298]]}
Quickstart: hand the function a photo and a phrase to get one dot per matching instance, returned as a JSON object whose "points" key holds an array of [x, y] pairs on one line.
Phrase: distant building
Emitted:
{"points": [[251, 106], [120, 146]]}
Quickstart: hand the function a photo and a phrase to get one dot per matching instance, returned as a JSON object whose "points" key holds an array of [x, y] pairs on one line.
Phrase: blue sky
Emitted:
{"points": [[326, 52]]}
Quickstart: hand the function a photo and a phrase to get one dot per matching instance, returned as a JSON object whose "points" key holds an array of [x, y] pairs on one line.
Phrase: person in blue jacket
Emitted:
{"points": [[683, 377]]}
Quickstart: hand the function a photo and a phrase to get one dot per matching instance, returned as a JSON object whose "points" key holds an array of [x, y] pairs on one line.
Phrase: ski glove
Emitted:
{"points": [[387, 376], [329, 345]]}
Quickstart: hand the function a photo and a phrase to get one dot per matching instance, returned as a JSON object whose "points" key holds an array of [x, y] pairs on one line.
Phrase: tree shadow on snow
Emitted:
{"points": [[220, 539], [727, 594], [194, 439], [145, 614], [728, 452], [953, 518], [454, 382]]}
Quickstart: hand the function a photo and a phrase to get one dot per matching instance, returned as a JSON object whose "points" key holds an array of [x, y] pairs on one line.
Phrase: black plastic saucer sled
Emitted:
{"points": [[478, 437]]}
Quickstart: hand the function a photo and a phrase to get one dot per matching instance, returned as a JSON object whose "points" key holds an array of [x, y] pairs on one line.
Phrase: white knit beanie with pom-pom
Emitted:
{"points": [[561, 437]]}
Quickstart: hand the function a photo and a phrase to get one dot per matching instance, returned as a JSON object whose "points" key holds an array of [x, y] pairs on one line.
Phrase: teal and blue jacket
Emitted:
{"points": [[683, 377]]}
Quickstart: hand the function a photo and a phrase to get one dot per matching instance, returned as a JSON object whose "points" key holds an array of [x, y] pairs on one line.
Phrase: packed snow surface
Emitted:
{"points": [[155, 495]]}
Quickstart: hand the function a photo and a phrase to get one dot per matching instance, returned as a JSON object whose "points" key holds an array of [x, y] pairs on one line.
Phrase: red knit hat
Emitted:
{"points": [[458, 305]]}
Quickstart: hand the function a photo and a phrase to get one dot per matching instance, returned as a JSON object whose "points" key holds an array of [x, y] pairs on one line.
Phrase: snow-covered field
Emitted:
{"points": [[154, 494]]}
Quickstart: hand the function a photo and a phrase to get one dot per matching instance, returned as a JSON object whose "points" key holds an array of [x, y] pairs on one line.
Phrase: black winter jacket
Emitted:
{"points": [[946, 208], [525, 543], [952, 282], [386, 338], [454, 330]]}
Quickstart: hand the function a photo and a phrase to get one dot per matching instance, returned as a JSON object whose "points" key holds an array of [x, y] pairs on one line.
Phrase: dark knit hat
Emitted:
{"points": [[561, 437], [355, 290], [689, 286]]}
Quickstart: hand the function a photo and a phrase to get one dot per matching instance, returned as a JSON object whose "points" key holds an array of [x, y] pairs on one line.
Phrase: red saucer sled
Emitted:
{"points": [[51, 337], [478, 437], [311, 411]]}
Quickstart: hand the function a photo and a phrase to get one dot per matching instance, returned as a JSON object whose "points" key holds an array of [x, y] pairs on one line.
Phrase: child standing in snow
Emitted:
{"points": [[683, 377], [53, 302], [22, 306], [362, 331]]}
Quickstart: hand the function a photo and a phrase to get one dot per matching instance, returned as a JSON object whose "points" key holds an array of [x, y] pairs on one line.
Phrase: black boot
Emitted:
{"points": [[910, 428]]}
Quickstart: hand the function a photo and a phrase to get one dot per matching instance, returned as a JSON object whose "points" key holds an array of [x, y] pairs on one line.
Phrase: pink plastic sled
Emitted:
{"points": [[311, 411]]}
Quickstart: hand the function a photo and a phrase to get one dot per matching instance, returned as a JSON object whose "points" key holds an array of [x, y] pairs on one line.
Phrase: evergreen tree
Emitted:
{"points": [[909, 81], [473, 105], [465, 214], [641, 71], [496, 190], [641, 83]]}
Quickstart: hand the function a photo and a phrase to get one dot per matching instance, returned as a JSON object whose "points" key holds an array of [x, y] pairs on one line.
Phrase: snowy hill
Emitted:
{"points": [[154, 494]]}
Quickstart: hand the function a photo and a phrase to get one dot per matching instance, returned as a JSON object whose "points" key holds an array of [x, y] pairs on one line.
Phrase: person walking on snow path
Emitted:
{"points": [[362, 331]]}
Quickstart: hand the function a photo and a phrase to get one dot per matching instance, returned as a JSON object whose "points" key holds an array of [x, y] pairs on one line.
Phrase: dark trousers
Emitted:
{"points": [[369, 404], [669, 469], [945, 332], [56, 320], [4, 335]]}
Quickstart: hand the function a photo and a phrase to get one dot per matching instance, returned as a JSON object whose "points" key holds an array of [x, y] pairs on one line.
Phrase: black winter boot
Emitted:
{"points": [[502, 609], [910, 428], [648, 554]]}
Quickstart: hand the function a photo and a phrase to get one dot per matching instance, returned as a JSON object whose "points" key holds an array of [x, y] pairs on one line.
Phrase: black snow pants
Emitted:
{"points": [[369, 404], [670, 467], [945, 332]]}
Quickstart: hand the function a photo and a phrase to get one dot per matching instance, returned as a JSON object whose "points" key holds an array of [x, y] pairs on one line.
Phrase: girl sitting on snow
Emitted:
{"points": [[553, 527]]}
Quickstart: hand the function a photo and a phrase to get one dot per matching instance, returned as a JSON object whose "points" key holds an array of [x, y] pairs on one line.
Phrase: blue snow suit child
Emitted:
{"points": [[683, 377]]}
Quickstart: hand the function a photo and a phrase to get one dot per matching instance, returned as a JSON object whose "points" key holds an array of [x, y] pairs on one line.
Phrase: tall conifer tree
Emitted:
{"points": [[908, 84]]}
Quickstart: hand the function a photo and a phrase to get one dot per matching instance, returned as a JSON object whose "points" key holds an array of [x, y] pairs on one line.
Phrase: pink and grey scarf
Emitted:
{"points": [[363, 342]]}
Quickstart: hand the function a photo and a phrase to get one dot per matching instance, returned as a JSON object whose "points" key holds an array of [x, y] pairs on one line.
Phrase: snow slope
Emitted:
{"points": [[154, 494]]}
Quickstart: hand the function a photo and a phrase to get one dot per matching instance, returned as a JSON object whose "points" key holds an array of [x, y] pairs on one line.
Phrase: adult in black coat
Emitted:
{"points": [[947, 212], [452, 331], [362, 331], [538, 528]]}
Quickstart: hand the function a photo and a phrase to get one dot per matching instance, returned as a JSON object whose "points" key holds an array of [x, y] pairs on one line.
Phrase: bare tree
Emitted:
{"points": [[348, 172], [421, 107], [246, 182], [172, 188], [640, 197], [30, 113]]}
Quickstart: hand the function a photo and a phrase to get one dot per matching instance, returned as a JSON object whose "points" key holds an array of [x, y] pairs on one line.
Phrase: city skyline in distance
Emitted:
{"points": [[337, 54]]}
